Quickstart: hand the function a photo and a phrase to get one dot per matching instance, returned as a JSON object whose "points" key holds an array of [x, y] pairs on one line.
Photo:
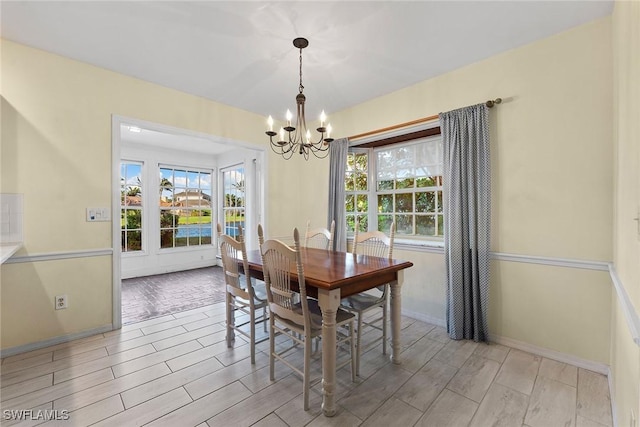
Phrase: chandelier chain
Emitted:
{"points": [[301, 88]]}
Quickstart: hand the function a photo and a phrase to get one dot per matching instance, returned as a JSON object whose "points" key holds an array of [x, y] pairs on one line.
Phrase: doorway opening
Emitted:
{"points": [[171, 187]]}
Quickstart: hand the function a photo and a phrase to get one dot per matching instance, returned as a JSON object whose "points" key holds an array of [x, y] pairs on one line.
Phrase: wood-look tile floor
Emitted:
{"points": [[176, 370]]}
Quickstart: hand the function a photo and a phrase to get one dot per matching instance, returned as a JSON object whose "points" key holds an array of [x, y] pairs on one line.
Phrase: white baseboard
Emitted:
{"points": [[425, 318], [54, 341], [600, 368], [590, 365], [163, 269]]}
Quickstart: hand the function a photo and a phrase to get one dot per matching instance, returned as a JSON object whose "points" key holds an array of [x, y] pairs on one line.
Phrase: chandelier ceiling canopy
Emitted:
{"points": [[298, 138]]}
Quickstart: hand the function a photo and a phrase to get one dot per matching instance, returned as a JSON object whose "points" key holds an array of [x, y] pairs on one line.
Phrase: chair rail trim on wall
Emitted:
{"points": [[51, 256], [630, 312]]}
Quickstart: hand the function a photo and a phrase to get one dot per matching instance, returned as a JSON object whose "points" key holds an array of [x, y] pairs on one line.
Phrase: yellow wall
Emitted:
{"points": [[551, 190], [625, 354]]}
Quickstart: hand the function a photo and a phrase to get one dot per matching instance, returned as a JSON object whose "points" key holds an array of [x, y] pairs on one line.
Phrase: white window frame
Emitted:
{"points": [[187, 169], [223, 194], [422, 241], [437, 214], [143, 227]]}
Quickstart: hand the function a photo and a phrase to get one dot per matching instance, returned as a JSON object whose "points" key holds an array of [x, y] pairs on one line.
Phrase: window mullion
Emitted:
{"points": [[372, 175]]}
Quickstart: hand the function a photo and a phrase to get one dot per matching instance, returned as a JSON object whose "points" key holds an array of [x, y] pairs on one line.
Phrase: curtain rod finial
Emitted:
{"points": [[492, 102]]}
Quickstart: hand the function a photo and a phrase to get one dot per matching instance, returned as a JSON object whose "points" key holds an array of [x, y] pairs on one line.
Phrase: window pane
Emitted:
{"points": [[205, 181], [425, 225], [167, 219], [361, 160], [206, 232], [385, 185], [404, 183], [180, 178], [362, 203], [363, 223], [205, 216], [350, 161], [404, 202], [350, 203], [385, 203], [134, 219], [426, 181], [166, 238], [404, 224], [361, 181], [351, 220], [134, 240], [439, 208], [440, 225], [384, 223], [182, 234], [425, 202], [349, 184]]}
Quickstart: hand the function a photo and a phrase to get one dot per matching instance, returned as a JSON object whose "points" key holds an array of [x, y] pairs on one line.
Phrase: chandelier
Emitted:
{"points": [[298, 139]]}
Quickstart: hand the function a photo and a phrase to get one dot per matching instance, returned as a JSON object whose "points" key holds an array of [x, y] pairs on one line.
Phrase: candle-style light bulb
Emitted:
{"points": [[281, 134], [308, 136], [270, 123], [323, 118], [289, 117], [329, 130]]}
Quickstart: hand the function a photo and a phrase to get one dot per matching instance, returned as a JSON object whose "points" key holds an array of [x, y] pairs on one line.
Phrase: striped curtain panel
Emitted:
{"points": [[337, 166], [467, 217]]}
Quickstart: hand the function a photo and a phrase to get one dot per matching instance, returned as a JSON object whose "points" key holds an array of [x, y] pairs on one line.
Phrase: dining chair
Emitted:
{"points": [[241, 294], [378, 244], [320, 238], [300, 321]]}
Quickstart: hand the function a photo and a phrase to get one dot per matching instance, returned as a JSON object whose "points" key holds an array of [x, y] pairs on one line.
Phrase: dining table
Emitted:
{"points": [[330, 276]]}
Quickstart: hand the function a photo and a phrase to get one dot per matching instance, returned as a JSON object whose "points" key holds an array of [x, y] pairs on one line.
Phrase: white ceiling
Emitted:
{"points": [[240, 53]]}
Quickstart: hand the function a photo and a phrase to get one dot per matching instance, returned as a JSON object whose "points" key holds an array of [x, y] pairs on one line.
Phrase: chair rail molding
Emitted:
{"points": [[51, 256], [630, 312]]}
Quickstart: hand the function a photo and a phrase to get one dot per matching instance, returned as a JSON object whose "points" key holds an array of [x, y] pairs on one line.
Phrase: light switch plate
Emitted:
{"points": [[98, 214]]}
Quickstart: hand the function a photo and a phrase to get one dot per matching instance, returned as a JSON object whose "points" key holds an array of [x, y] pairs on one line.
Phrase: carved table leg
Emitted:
{"points": [[396, 308], [329, 301]]}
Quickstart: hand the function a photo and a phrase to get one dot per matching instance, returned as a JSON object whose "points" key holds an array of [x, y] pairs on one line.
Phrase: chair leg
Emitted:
{"points": [[306, 369], [272, 348], [230, 319], [253, 335], [358, 334], [264, 318], [384, 328], [353, 355]]}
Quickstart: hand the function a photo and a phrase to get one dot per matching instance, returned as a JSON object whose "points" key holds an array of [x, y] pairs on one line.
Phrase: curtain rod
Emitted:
{"points": [[490, 103]]}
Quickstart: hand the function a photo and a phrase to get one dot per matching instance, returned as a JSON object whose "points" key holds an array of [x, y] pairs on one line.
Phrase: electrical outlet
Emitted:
{"points": [[61, 302]]}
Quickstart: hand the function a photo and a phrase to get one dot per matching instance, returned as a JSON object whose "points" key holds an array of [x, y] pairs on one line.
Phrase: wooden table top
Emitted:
{"points": [[341, 270]]}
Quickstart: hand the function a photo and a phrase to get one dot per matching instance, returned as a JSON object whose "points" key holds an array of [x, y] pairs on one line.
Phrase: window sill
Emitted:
{"points": [[431, 246]]}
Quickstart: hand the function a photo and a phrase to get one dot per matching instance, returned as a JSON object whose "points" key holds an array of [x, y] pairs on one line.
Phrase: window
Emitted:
{"points": [[131, 206], [233, 207], [401, 182], [356, 183], [185, 207]]}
